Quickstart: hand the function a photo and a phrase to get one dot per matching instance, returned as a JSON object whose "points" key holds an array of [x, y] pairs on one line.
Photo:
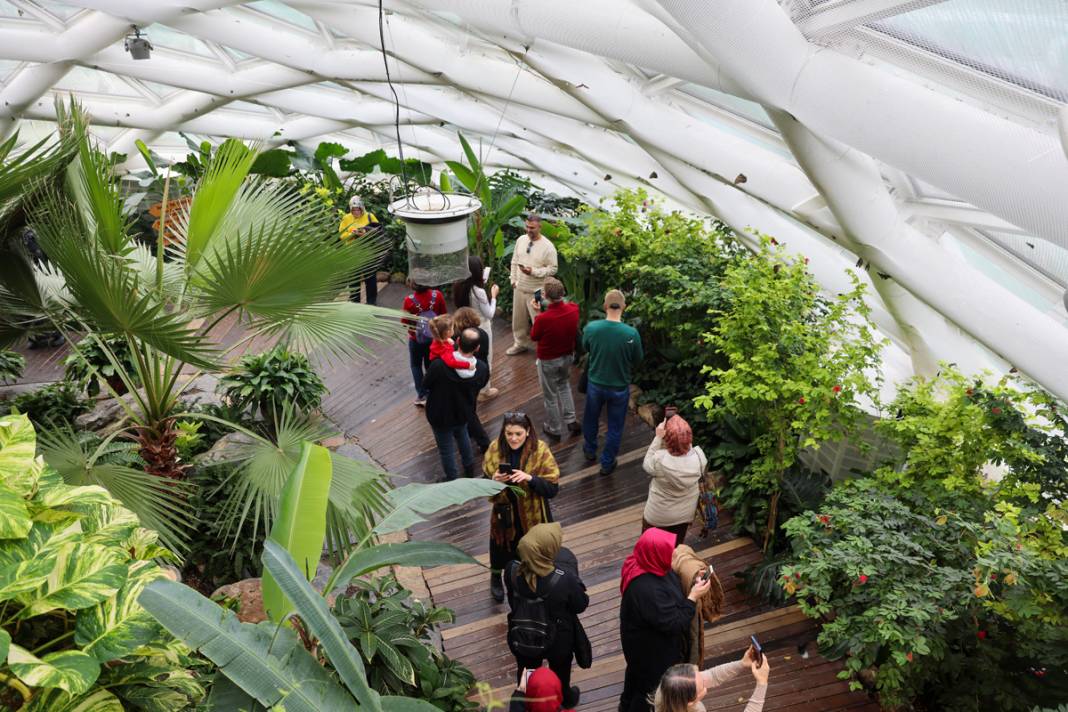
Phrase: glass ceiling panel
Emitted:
{"points": [[9, 10], [1024, 42], [163, 36], [1044, 256], [83, 79], [284, 12], [736, 105], [7, 66]]}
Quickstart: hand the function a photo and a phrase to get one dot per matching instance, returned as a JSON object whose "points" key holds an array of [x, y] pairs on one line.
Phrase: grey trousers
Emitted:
{"points": [[555, 378]]}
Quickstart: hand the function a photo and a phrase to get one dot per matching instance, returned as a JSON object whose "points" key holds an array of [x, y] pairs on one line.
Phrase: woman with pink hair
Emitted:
{"points": [[676, 467]]}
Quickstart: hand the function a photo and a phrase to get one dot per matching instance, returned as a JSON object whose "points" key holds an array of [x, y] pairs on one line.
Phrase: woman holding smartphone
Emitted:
{"points": [[676, 467], [519, 459]]}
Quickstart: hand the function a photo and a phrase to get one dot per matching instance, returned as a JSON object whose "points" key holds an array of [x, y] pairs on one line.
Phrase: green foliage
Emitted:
{"points": [[378, 162], [11, 365], [54, 405], [943, 585], [72, 565], [394, 634], [797, 364], [273, 380], [190, 441], [89, 365]]}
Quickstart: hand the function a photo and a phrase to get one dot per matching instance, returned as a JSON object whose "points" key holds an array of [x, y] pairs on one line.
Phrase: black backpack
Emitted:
{"points": [[531, 629]]}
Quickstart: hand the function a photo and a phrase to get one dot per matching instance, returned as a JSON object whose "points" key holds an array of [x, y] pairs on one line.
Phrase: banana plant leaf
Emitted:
{"points": [[320, 622], [268, 663], [300, 527], [409, 553], [412, 501]]}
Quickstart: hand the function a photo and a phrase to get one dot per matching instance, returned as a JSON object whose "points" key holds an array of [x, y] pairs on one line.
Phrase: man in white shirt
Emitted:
{"points": [[533, 260]]}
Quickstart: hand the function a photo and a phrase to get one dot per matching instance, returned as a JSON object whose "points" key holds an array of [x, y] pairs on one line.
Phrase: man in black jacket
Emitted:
{"points": [[450, 401]]}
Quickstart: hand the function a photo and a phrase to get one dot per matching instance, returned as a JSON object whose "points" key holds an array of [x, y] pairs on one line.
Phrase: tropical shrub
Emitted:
{"points": [[189, 441], [943, 586], [393, 633], [90, 364], [54, 405], [11, 365], [270, 380], [72, 565], [797, 364]]}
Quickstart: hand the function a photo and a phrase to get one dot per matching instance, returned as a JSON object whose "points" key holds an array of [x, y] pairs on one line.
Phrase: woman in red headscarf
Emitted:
{"points": [[654, 617], [541, 692]]}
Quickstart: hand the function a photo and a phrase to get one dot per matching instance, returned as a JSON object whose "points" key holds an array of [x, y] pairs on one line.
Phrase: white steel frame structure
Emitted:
{"points": [[838, 126]]}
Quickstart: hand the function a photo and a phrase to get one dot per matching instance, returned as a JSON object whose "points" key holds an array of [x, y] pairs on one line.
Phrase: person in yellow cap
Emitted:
{"points": [[357, 223]]}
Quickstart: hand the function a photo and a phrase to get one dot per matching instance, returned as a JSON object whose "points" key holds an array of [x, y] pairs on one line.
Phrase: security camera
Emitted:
{"points": [[138, 45]]}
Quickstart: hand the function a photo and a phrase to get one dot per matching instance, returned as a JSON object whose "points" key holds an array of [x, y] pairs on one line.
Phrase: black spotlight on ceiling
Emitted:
{"points": [[138, 45]]}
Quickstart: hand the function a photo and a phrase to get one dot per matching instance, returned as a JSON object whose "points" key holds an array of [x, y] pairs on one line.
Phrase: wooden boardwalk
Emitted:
{"points": [[601, 516], [372, 401]]}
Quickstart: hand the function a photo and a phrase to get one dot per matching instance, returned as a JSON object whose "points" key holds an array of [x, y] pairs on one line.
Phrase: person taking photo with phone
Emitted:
{"points": [[676, 466], [556, 330], [654, 617], [684, 686], [518, 459], [533, 259]]}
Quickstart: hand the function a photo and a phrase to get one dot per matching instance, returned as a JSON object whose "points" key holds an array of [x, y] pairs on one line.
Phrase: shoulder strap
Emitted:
{"points": [[433, 299], [556, 576]]}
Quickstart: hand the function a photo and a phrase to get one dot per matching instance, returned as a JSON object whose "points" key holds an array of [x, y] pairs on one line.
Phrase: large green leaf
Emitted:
{"points": [[84, 575], [300, 527], [19, 468], [97, 196], [228, 697], [321, 623], [409, 553], [268, 663], [463, 174], [56, 700], [213, 197], [154, 684], [472, 159], [15, 519], [336, 329], [70, 670], [5, 643], [412, 501], [274, 162], [396, 703], [118, 626]]}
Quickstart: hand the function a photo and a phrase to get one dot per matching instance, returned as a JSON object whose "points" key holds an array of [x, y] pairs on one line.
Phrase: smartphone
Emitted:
{"points": [[485, 274], [670, 411], [759, 650], [525, 678], [537, 296], [706, 575], [504, 469]]}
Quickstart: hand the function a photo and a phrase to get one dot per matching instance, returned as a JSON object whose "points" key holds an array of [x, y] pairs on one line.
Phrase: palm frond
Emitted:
{"points": [[23, 173], [106, 288], [338, 330], [357, 489], [214, 196], [99, 202], [143, 262], [159, 504]]}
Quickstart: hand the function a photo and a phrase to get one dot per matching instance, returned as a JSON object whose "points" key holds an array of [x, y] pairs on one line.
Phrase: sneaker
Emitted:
{"points": [[515, 349], [549, 433], [488, 394], [420, 402], [574, 429], [608, 469], [590, 456], [571, 700], [496, 588]]}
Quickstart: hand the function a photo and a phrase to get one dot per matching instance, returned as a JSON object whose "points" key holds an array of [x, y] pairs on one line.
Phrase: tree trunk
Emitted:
{"points": [[158, 451]]}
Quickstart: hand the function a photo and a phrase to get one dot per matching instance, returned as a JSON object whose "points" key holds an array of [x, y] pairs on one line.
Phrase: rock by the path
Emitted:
{"points": [[105, 415], [228, 448], [651, 413], [249, 596]]}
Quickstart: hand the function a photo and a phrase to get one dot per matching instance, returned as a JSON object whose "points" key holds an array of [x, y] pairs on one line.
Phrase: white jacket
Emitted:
{"points": [[676, 484]]}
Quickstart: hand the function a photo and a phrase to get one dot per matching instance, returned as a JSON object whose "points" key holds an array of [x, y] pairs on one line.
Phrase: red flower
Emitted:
{"points": [[1040, 673], [908, 656], [824, 519], [995, 410], [837, 389], [806, 260], [993, 577], [797, 574], [862, 579], [969, 392], [801, 401], [981, 635], [774, 241]]}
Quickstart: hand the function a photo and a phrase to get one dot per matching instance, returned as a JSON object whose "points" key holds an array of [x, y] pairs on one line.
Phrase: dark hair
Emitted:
{"points": [[553, 289], [677, 689], [468, 340], [522, 420], [461, 290]]}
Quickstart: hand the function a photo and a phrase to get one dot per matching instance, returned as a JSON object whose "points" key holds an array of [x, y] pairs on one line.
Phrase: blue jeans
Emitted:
{"points": [[448, 439], [616, 400], [419, 358]]}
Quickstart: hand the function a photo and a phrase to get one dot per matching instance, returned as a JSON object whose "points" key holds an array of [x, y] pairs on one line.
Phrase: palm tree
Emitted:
{"points": [[245, 248]]}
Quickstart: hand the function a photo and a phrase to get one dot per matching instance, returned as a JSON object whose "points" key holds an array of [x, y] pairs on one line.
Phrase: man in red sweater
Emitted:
{"points": [[555, 331]]}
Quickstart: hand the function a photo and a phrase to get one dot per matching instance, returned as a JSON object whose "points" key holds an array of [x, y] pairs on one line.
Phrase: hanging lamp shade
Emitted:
{"points": [[436, 226]]}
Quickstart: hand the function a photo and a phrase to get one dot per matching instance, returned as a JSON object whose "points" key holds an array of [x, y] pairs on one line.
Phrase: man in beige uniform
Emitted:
{"points": [[533, 260]]}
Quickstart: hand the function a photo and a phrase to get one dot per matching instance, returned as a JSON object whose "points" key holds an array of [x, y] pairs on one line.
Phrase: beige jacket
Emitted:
{"points": [[541, 258], [676, 484], [714, 677]]}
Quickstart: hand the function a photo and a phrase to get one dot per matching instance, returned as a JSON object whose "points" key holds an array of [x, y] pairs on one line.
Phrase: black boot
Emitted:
{"points": [[496, 587], [571, 697]]}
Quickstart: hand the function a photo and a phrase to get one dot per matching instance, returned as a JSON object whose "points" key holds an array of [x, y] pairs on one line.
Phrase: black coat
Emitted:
{"points": [[654, 627], [566, 599], [450, 397]]}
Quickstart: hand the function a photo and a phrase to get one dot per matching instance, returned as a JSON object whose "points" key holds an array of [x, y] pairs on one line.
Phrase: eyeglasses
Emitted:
{"points": [[529, 245], [515, 415]]}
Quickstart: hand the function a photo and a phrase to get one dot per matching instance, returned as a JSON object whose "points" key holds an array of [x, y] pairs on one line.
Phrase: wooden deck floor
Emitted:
{"points": [[373, 402], [602, 519]]}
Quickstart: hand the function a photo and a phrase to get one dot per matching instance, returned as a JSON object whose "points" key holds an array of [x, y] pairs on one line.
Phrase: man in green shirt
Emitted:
{"points": [[614, 348]]}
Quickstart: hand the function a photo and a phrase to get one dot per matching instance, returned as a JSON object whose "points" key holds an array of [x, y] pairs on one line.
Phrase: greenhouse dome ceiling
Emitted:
{"points": [[917, 140]]}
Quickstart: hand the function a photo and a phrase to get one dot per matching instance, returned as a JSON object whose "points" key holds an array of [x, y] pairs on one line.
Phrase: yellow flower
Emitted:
{"points": [[322, 191], [1010, 579]]}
